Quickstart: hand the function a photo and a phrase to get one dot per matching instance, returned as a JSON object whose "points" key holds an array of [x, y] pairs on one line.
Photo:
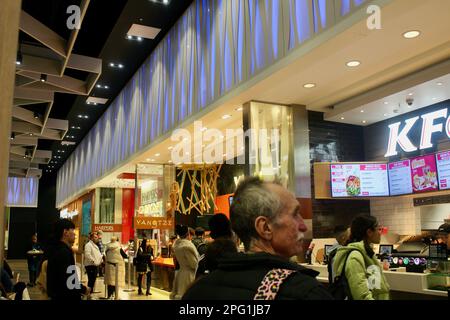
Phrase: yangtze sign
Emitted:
{"points": [[433, 122], [153, 223]]}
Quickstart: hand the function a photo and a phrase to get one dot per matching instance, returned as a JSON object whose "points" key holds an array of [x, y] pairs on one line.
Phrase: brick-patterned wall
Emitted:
{"points": [[398, 214], [331, 141]]}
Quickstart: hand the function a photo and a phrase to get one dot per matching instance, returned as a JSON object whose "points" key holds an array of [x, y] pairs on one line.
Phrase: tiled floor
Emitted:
{"points": [[21, 267]]}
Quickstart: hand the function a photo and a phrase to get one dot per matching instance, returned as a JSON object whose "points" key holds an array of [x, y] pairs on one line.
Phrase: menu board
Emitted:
{"points": [[424, 174], [400, 181], [443, 169], [359, 180]]}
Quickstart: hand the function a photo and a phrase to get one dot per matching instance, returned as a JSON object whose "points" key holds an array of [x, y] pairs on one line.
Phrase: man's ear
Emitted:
{"points": [[263, 228]]}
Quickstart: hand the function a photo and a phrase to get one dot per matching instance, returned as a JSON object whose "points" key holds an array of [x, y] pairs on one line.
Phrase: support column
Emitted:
{"points": [[9, 35]]}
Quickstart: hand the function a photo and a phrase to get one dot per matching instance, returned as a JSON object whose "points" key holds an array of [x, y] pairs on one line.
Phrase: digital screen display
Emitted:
{"points": [[400, 181], [386, 249], [424, 174], [443, 169], [359, 180]]}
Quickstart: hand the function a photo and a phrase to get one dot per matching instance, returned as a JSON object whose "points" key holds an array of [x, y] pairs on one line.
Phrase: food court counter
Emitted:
{"points": [[399, 281], [164, 271]]}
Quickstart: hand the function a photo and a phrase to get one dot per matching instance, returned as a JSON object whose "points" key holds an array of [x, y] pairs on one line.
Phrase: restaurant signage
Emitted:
{"points": [[153, 223], [400, 137], [107, 227]]}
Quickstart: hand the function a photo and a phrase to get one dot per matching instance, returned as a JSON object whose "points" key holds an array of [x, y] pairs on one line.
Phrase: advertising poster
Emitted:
{"points": [[359, 180], [400, 181], [424, 174], [443, 168]]}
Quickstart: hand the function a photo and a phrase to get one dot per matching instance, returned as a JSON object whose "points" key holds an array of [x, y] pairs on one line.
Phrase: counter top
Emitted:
{"points": [[399, 281]]}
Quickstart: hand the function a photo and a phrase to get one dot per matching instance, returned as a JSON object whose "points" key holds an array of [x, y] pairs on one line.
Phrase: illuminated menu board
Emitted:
{"points": [[443, 169], [424, 174], [359, 180], [400, 181]]}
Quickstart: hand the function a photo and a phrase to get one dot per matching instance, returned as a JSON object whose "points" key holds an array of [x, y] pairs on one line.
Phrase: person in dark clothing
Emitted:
{"points": [[201, 246], [216, 250], [62, 278], [220, 226], [144, 265], [33, 260], [267, 219]]}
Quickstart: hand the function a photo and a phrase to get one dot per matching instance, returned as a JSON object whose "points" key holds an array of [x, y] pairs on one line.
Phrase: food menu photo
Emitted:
{"points": [[424, 174]]}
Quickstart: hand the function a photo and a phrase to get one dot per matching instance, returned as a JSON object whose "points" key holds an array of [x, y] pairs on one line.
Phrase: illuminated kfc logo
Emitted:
{"points": [[428, 128]]}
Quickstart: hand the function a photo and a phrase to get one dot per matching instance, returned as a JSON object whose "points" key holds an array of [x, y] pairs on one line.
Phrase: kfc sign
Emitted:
{"points": [[430, 125]]}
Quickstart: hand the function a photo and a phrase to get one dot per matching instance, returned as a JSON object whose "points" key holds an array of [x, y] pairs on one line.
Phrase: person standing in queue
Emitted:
{"points": [[364, 273], [186, 256], [266, 217], [92, 259], [114, 259], [144, 265]]}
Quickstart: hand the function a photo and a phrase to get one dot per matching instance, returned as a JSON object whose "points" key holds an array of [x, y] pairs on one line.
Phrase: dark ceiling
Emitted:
{"points": [[102, 35]]}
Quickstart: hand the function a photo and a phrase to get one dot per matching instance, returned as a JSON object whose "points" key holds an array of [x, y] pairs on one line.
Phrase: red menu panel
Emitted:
{"points": [[443, 167], [424, 174]]}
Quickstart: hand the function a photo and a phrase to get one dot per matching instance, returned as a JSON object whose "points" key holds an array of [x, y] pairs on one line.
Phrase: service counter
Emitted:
{"points": [[404, 285], [164, 273]]}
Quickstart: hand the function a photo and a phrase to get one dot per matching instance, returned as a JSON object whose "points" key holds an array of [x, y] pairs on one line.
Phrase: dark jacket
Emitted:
{"points": [[239, 276], [144, 260], [59, 260]]}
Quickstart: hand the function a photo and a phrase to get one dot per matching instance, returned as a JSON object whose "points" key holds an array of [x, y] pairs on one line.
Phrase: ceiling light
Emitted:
{"points": [[342, 118], [226, 116], [86, 117], [36, 115], [385, 114], [157, 154], [166, 1], [434, 98], [31, 134], [129, 37], [120, 66], [364, 121], [148, 159], [439, 83], [239, 109], [386, 102], [98, 86], [362, 111], [43, 77], [410, 94], [411, 34], [106, 87], [13, 136], [354, 63], [139, 38], [309, 85]]}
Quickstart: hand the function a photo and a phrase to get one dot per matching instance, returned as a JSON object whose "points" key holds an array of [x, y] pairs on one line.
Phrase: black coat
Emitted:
{"points": [[239, 276], [144, 260], [60, 258]]}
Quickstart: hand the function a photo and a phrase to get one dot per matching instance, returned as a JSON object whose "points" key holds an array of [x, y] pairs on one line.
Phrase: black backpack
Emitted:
{"points": [[339, 287]]}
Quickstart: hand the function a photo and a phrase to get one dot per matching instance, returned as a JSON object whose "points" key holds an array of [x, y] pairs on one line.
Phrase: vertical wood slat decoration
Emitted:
{"points": [[202, 180], [213, 48]]}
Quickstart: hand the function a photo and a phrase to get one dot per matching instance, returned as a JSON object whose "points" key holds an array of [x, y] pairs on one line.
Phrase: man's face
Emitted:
{"points": [[95, 238], [34, 239], [288, 227], [69, 236]]}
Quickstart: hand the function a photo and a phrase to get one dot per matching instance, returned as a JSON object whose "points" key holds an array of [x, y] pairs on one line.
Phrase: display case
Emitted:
{"points": [[439, 275]]}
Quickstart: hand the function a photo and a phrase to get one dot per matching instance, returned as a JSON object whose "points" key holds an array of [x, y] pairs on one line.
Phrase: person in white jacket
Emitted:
{"points": [[92, 259], [114, 259]]}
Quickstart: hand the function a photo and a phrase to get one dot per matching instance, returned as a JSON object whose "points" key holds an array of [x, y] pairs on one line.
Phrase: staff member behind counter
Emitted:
{"points": [[442, 235]]}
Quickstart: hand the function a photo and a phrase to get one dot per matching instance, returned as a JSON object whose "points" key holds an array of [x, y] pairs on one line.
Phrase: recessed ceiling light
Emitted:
{"points": [[148, 159], [364, 121], [410, 94], [434, 98], [239, 109], [354, 63], [385, 114], [129, 37], [342, 118], [309, 85], [226, 116], [120, 66], [98, 86], [439, 83], [157, 154], [43, 77], [386, 102], [362, 111], [411, 34]]}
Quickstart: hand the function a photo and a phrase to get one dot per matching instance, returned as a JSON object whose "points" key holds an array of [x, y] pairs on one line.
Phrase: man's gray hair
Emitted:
{"points": [[251, 200]]}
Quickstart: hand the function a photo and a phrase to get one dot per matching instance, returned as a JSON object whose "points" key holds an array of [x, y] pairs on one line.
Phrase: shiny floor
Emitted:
{"points": [[20, 266]]}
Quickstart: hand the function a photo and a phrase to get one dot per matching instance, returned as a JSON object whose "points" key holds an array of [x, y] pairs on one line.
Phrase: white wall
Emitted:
{"points": [[433, 216], [398, 214]]}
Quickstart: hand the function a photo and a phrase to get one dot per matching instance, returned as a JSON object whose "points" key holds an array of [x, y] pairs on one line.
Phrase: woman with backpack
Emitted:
{"points": [[363, 273]]}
